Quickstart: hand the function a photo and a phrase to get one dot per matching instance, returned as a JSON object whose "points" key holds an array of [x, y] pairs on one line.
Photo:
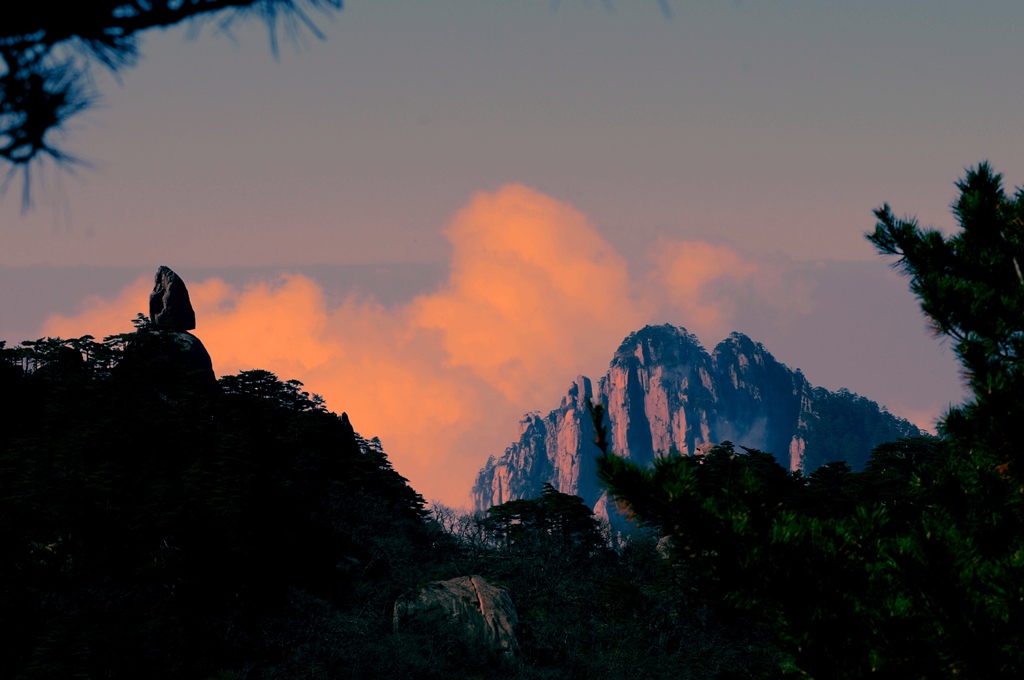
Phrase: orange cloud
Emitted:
{"points": [[535, 293], [101, 317], [373, 363], [707, 285], [535, 296]]}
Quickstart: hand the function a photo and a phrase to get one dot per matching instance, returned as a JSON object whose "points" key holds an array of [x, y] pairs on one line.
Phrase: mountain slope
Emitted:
{"points": [[663, 391]]}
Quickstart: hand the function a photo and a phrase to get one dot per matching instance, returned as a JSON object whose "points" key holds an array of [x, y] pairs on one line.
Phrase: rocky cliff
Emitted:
{"points": [[664, 392]]}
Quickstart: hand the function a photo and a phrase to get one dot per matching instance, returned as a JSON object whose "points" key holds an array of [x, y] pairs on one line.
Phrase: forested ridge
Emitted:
{"points": [[150, 527]]}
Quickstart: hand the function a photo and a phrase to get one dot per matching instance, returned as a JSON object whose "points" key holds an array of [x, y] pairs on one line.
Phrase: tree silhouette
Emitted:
{"points": [[47, 47], [554, 518]]}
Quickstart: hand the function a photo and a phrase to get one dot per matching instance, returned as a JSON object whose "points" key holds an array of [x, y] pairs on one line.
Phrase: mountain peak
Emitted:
{"points": [[580, 392], [656, 344], [664, 392], [741, 349], [737, 339]]}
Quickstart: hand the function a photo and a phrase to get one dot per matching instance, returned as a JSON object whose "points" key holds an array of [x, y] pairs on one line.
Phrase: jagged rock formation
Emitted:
{"points": [[663, 392], [170, 310], [169, 304], [485, 611]]}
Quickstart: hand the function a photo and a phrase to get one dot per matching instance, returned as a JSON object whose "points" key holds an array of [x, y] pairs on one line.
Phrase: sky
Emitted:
{"points": [[441, 214]]}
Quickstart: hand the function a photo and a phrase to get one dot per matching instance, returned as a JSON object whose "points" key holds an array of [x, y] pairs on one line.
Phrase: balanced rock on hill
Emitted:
{"points": [[664, 392], [170, 310]]}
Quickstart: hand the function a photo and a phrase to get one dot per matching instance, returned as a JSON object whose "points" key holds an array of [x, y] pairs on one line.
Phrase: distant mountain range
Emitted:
{"points": [[664, 392]]}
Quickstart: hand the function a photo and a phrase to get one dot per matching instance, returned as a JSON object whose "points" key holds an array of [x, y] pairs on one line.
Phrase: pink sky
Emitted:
{"points": [[534, 297], [568, 174]]}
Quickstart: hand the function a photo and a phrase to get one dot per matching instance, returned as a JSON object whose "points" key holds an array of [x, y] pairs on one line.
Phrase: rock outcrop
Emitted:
{"points": [[663, 392], [170, 310], [169, 305], [485, 611]]}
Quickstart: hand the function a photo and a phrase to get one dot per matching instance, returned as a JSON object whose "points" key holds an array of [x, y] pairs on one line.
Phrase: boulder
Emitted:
{"points": [[485, 611], [169, 305], [171, 312], [196, 359]]}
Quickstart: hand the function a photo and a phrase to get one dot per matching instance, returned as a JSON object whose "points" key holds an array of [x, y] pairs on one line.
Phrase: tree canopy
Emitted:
{"points": [[971, 287], [554, 517]]}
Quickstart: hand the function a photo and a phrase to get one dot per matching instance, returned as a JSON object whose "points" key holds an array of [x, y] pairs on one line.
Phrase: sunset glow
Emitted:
{"points": [[534, 297], [534, 182]]}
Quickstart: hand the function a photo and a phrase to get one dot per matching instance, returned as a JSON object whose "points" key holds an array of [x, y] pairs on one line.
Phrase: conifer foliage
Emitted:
{"points": [[555, 518], [47, 46], [971, 287], [915, 567]]}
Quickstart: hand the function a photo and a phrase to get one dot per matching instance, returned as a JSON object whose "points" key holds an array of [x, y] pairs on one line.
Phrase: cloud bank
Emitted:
{"points": [[534, 297]]}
